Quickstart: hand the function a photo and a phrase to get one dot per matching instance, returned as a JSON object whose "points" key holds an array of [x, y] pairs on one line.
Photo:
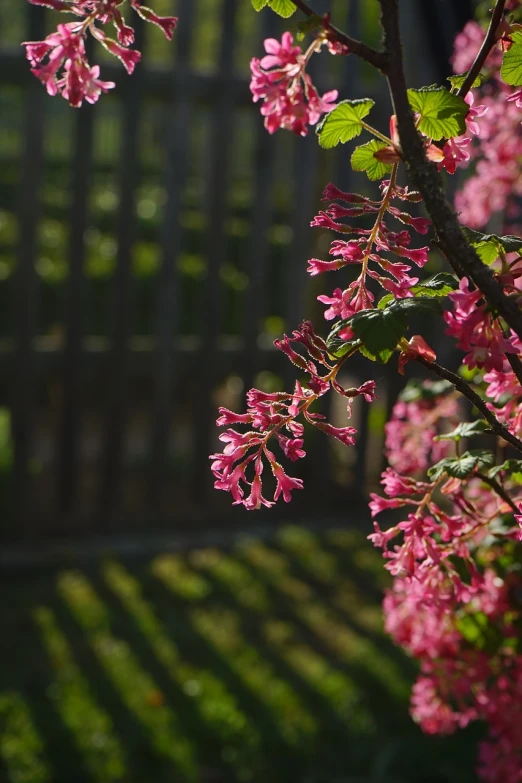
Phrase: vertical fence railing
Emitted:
{"points": [[25, 289], [118, 365], [73, 369], [180, 118], [220, 144]]}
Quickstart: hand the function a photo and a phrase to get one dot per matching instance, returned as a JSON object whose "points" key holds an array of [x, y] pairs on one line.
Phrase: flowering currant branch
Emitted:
{"points": [[466, 390], [489, 42], [457, 250], [372, 56], [60, 61], [455, 558]]}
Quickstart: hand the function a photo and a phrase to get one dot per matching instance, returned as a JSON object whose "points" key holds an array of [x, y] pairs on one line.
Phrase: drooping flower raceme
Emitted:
{"points": [[60, 61], [272, 418]]}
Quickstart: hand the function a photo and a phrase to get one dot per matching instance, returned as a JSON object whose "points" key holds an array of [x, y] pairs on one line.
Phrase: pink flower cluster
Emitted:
{"points": [[60, 60], [274, 415], [413, 426], [279, 79], [505, 395], [476, 330], [368, 245], [446, 581], [460, 682], [496, 182]]}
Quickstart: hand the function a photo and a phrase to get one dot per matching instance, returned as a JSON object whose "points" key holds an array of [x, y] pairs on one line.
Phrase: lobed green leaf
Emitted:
{"points": [[363, 159], [458, 79], [462, 467], [416, 390], [512, 466], [441, 284], [511, 69], [466, 429], [344, 122], [490, 246], [414, 304], [442, 114], [379, 332]]}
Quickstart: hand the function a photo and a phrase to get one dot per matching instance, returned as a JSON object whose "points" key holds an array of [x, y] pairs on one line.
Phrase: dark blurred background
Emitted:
{"points": [[151, 248]]}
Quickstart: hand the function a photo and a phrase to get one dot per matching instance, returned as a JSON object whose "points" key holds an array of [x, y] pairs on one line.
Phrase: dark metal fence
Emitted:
{"points": [[151, 247]]}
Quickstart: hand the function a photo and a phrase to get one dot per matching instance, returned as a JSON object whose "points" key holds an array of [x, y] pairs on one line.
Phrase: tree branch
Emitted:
{"points": [[378, 59], [516, 365], [426, 179], [501, 492], [466, 390], [487, 45]]}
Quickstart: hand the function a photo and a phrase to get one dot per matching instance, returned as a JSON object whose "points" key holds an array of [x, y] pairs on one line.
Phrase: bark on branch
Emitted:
{"points": [[378, 59], [426, 179]]}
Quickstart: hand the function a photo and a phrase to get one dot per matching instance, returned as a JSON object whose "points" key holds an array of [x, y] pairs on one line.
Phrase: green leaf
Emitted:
{"points": [[416, 390], [343, 123], [338, 348], [442, 114], [462, 467], [414, 304], [479, 631], [284, 8], [385, 301], [466, 429], [258, 4], [473, 627], [511, 70], [490, 246], [440, 284], [379, 332], [512, 466], [309, 25], [363, 159], [380, 329], [459, 78]]}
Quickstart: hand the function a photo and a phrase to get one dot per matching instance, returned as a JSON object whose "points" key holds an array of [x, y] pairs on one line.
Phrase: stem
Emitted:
{"points": [[427, 180], [501, 492], [382, 209], [377, 133], [487, 45], [466, 390], [378, 59]]}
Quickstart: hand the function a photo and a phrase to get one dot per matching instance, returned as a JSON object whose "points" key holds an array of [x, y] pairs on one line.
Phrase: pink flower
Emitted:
{"points": [[285, 484], [473, 113], [290, 100], [417, 347], [165, 23], [476, 330]]}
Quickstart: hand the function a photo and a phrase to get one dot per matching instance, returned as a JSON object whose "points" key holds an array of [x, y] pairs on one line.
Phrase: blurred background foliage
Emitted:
{"points": [[260, 660]]}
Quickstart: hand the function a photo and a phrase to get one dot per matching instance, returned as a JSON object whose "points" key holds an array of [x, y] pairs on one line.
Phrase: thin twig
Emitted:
{"points": [[427, 180], [487, 45], [378, 59], [466, 390], [501, 492]]}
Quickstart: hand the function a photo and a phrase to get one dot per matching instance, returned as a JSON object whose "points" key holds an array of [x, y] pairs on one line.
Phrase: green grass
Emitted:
{"points": [[265, 661]]}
